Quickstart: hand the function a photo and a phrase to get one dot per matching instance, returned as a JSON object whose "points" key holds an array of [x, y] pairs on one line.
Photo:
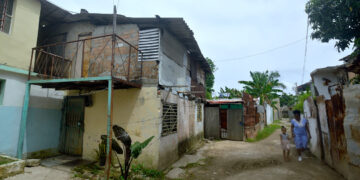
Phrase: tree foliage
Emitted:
{"points": [[265, 86], [210, 79], [233, 92], [287, 100], [335, 19], [300, 101]]}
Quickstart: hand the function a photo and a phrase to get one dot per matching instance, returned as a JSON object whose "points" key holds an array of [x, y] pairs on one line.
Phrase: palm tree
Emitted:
{"points": [[265, 86]]}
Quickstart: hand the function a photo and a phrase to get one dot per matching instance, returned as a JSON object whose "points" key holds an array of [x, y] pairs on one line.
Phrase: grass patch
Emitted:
{"points": [[266, 132], [139, 169], [94, 171], [277, 121], [4, 160]]}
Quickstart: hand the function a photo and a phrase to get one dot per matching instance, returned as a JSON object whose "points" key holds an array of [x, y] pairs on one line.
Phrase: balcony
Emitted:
{"points": [[87, 63]]}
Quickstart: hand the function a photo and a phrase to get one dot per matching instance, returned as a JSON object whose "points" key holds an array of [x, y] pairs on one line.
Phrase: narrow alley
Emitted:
{"points": [[259, 160]]}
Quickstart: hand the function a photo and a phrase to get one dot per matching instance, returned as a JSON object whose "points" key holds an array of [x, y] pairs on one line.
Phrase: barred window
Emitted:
{"points": [[6, 10], [199, 112], [169, 120]]}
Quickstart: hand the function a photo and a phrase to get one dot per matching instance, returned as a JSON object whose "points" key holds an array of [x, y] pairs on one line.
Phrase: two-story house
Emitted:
{"points": [[144, 74], [19, 23]]}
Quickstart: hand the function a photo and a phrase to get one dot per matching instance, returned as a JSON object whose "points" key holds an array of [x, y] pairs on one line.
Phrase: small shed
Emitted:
{"points": [[224, 119]]}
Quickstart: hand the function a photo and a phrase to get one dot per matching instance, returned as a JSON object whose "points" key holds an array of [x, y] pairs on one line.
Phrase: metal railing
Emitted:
{"points": [[107, 55]]}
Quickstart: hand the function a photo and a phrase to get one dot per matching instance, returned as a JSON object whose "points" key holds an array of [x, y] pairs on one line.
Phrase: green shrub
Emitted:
{"points": [[300, 102]]}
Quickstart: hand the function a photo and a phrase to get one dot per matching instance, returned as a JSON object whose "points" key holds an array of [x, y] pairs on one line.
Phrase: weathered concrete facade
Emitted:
{"points": [[42, 130], [136, 110], [333, 120], [165, 79], [190, 129]]}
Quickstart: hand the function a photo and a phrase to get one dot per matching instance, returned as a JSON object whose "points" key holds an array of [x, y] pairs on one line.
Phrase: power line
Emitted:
{"points": [[306, 43], [263, 52]]}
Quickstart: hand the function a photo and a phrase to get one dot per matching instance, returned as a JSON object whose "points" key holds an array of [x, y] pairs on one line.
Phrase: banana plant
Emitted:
{"points": [[132, 151]]}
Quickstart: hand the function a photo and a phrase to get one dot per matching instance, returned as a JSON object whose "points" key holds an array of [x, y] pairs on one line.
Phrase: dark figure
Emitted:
{"points": [[300, 132]]}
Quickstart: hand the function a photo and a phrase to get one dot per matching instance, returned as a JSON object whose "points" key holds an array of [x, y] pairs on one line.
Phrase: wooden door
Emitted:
{"points": [[235, 125], [81, 67], [73, 125]]}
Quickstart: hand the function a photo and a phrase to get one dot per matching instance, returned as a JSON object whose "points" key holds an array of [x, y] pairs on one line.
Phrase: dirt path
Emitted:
{"points": [[260, 160]]}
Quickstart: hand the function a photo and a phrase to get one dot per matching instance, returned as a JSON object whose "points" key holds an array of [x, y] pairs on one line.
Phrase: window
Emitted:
{"points": [[169, 121], [6, 8], [2, 90], [149, 44], [199, 112]]}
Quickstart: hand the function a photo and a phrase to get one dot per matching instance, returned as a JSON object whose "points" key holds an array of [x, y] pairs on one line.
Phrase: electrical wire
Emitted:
{"points": [[306, 43], [263, 52]]}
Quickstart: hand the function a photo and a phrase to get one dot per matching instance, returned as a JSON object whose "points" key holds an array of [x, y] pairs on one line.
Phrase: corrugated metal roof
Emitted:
{"points": [[177, 26], [225, 101]]}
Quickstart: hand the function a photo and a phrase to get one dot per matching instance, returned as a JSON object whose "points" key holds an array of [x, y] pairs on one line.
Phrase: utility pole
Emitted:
{"points": [[110, 101]]}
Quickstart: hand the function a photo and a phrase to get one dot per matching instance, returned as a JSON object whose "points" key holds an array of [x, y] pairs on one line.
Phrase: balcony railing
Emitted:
{"points": [[107, 55]]}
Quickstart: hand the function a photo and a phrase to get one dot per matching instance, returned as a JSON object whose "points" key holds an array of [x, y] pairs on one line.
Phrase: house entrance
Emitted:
{"points": [[72, 127]]}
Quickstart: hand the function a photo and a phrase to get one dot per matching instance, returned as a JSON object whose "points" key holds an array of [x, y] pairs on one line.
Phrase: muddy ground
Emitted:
{"points": [[258, 160]]}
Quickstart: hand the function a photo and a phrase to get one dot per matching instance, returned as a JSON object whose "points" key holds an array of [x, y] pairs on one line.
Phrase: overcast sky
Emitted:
{"points": [[229, 30]]}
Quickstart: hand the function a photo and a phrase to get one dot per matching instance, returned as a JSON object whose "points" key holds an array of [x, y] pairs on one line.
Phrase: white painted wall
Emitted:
{"points": [[319, 76], [14, 92], [269, 115], [315, 139]]}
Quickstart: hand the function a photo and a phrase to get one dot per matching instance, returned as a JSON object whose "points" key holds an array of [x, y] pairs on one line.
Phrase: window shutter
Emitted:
{"points": [[149, 44]]}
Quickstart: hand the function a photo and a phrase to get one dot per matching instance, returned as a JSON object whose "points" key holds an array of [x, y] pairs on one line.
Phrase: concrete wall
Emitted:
{"points": [[332, 77], [15, 47], [338, 107], [189, 130], [138, 111], [173, 67], [43, 124], [310, 113], [269, 115], [352, 129]]}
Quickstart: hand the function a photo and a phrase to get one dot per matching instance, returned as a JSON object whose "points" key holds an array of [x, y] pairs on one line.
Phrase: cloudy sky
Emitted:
{"points": [[239, 35]]}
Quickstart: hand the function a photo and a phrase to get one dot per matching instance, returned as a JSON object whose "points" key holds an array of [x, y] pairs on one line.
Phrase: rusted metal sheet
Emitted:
{"points": [[197, 87], [335, 110]]}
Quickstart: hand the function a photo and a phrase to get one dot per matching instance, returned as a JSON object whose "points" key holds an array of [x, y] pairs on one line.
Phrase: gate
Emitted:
{"points": [[72, 127], [235, 125]]}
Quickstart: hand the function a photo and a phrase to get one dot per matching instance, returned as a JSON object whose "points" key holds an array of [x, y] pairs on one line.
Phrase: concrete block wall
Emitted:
{"points": [[189, 130]]}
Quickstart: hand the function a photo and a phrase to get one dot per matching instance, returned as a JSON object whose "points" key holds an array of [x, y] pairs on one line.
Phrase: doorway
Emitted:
{"points": [[72, 127]]}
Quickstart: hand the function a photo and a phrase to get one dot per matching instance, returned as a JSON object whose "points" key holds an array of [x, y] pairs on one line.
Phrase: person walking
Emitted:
{"points": [[300, 133]]}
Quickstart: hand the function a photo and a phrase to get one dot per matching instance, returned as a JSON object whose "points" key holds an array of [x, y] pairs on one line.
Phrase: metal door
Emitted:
{"points": [[211, 122], [235, 125], [72, 125]]}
